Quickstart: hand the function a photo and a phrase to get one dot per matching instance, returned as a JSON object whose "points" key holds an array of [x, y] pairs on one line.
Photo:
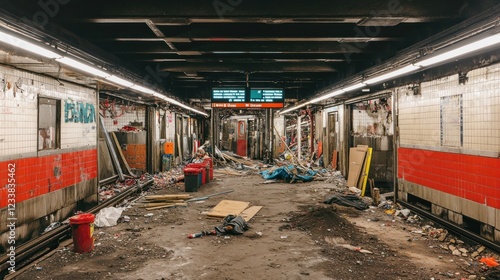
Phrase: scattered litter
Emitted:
{"points": [[149, 215], [52, 226], [489, 261]]}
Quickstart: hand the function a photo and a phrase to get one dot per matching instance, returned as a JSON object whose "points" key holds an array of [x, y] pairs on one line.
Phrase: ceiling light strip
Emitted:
{"points": [[435, 59], [43, 51]]}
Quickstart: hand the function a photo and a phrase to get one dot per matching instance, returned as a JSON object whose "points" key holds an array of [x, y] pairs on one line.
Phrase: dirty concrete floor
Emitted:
{"points": [[295, 236]]}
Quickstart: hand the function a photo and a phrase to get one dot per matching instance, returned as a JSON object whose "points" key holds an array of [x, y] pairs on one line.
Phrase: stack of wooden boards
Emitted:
{"points": [[359, 167], [154, 202], [233, 207]]}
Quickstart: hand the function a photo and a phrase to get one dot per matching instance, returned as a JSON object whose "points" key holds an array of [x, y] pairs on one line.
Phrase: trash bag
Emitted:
{"points": [[347, 200], [108, 217], [232, 225]]}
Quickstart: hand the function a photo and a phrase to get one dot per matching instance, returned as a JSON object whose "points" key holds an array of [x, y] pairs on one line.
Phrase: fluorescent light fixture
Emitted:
{"points": [[480, 44], [84, 67], [120, 81], [27, 46], [326, 96], [392, 74], [46, 52], [143, 89], [294, 108], [353, 87]]}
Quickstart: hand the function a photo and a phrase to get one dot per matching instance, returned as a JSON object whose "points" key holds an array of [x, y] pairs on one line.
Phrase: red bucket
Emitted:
{"points": [[82, 229]]}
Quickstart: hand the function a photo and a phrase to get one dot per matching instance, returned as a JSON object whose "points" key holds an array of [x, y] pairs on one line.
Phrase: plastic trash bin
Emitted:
{"points": [[82, 230], [192, 179]]}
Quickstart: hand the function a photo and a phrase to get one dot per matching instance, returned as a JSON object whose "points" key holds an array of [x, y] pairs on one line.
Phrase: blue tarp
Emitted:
{"points": [[287, 173]]}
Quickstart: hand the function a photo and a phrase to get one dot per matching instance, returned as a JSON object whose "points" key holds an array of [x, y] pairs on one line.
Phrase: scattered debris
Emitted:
{"points": [[52, 226], [489, 261]]}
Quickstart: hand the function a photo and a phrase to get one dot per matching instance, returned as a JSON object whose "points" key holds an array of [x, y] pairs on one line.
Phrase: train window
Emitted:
{"points": [[452, 121], [49, 123]]}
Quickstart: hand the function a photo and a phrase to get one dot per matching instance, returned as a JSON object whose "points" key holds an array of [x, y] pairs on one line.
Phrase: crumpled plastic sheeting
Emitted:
{"points": [[108, 217], [289, 173], [347, 200]]}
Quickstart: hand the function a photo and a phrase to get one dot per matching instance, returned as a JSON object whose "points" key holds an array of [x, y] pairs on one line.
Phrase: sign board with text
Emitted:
{"points": [[250, 98]]}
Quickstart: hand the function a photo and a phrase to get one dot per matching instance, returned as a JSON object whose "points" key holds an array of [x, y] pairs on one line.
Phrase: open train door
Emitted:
{"points": [[242, 141]]}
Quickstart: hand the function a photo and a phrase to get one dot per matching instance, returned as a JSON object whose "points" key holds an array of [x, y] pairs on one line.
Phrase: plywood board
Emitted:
{"points": [[356, 161], [248, 213], [228, 207]]}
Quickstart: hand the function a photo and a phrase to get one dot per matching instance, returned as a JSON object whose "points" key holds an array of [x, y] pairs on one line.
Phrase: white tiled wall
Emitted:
{"points": [[369, 119], [419, 115], [170, 126], [19, 91], [130, 114]]}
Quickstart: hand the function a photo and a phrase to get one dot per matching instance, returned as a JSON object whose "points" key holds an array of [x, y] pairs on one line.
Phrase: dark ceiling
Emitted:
{"points": [[190, 46]]}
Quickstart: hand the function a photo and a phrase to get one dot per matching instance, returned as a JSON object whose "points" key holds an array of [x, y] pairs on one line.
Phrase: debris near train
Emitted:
{"points": [[168, 178], [110, 190]]}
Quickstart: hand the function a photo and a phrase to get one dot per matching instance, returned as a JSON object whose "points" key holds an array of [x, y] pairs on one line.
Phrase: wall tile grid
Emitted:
{"points": [[18, 112], [419, 115], [372, 119], [135, 154], [170, 126], [41, 175], [466, 176], [19, 135], [124, 116]]}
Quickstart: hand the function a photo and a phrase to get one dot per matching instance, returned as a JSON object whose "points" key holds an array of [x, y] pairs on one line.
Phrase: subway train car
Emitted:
{"points": [[48, 155], [449, 145]]}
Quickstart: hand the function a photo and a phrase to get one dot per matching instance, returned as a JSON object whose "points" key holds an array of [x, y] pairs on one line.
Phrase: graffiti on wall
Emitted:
{"points": [[78, 112]]}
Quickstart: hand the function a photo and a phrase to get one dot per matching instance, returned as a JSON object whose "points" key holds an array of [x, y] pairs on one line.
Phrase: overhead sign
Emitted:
{"points": [[266, 96], [251, 99], [228, 95]]}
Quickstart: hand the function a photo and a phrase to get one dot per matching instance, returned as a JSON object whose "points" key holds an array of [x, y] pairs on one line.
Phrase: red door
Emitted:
{"points": [[241, 142]]}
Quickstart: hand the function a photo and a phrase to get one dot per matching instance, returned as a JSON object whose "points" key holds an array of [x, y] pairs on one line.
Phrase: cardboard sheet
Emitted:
{"points": [[248, 213], [228, 207]]}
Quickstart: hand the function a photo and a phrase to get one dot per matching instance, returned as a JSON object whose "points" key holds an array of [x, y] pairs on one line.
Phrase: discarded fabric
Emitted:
{"points": [[232, 225], [291, 174], [347, 200]]}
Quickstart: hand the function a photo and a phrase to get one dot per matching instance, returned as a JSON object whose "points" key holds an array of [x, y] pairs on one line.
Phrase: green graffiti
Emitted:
{"points": [[78, 112]]}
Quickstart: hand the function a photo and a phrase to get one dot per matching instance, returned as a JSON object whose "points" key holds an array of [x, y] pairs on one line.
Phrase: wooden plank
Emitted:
{"points": [[123, 159], [366, 170], [169, 196], [167, 206], [228, 207], [250, 212], [363, 170]]}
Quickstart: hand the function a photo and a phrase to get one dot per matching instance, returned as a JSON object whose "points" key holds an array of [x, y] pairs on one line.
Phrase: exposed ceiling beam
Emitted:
{"points": [[255, 39], [247, 67], [368, 20]]}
